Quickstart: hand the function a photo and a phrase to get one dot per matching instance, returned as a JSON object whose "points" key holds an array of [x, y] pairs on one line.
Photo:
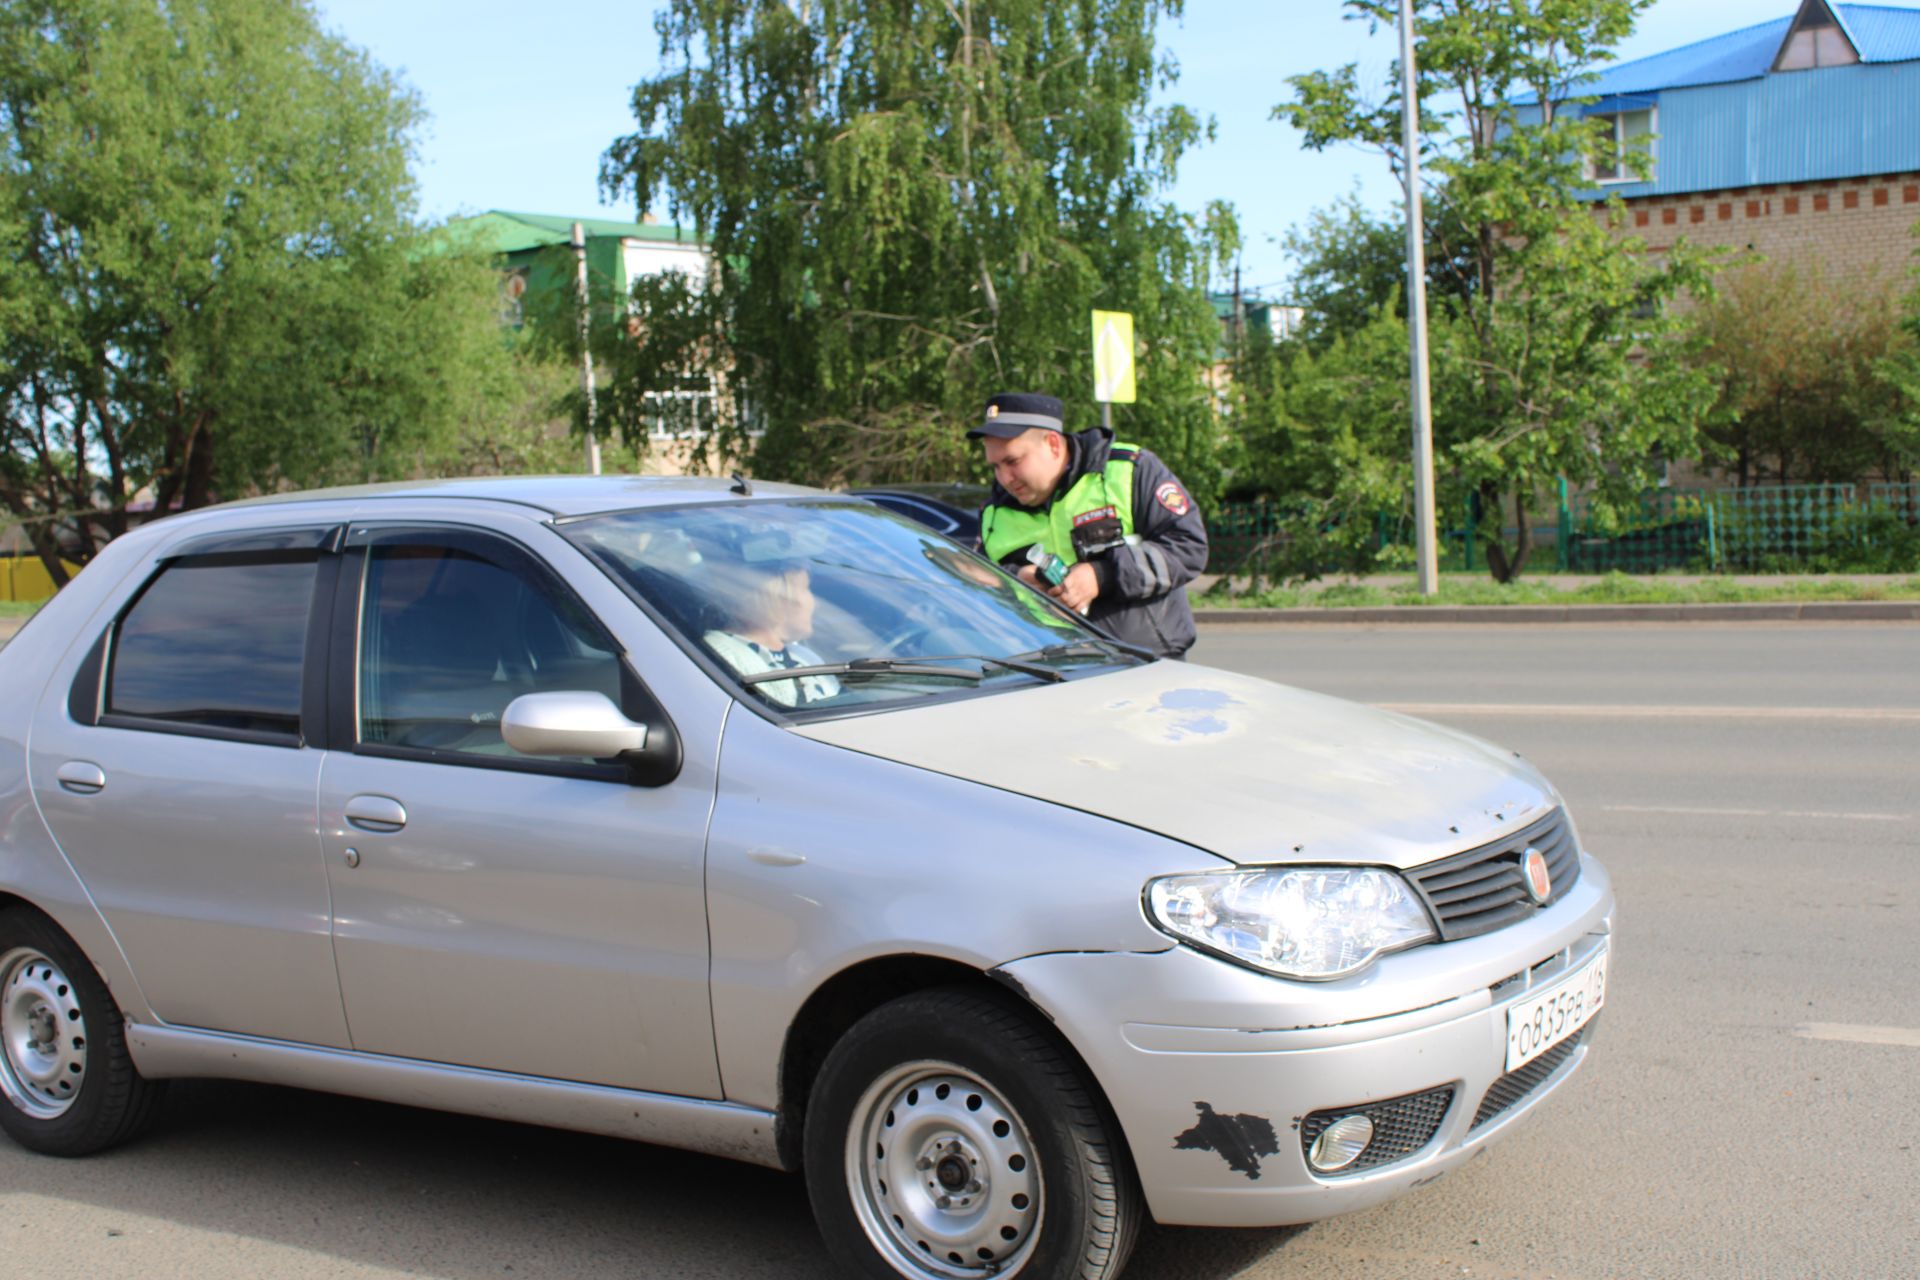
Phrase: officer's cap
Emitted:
{"points": [[1012, 413]]}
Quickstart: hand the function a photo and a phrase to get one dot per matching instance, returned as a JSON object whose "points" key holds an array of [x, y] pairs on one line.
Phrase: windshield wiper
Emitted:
{"points": [[865, 667], [1102, 648], [1016, 663], [920, 666]]}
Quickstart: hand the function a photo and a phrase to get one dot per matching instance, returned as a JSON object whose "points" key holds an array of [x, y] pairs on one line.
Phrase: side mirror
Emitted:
{"points": [[570, 724]]}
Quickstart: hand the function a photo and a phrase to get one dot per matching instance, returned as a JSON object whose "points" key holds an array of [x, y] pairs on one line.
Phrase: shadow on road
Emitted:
{"points": [[460, 1198]]}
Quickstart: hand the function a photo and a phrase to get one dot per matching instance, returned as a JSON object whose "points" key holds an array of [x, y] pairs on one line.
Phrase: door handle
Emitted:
{"points": [[81, 777], [378, 814]]}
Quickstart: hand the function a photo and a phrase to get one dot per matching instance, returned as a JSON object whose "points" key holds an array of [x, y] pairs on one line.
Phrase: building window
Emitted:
{"points": [[1621, 136], [683, 413], [1817, 40]]}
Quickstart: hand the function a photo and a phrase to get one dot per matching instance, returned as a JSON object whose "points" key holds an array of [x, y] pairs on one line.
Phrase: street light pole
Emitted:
{"points": [[586, 351], [1422, 394]]}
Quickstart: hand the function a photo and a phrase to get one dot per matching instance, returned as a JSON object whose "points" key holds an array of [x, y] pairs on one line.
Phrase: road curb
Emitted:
{"points": [[1770, 611]]}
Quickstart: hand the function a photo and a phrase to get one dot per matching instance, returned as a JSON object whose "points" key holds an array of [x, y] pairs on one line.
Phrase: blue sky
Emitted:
{"points": [[523, 100]]}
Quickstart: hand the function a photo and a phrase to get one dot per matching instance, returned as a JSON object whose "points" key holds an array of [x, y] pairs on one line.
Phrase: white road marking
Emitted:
{"points": [[1883, 715], [1907, 1036], [1759, 813]]}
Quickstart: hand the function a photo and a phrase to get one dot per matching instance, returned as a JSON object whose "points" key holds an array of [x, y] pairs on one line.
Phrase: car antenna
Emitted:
{"points": [[742, 485]]}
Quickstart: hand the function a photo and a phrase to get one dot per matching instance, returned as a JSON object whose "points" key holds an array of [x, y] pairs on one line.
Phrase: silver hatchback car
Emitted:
{"points": [[762, 822]]}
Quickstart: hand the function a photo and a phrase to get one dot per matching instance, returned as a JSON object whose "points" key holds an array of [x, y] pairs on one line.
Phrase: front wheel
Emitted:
{"points": [[67, 1084], [950, 1137]]}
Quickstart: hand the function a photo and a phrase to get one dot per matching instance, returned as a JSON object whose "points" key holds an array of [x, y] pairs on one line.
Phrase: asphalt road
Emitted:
{"points": [[1752, 1109]]}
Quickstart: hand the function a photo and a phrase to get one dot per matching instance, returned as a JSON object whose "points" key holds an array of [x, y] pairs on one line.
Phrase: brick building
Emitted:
{"points": [[1798, 138]]}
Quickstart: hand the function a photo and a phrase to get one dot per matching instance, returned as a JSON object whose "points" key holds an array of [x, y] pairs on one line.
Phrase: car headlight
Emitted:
{"points": [[1297, 922]]}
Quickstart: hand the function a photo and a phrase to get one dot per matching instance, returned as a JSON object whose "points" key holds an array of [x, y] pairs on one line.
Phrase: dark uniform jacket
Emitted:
{"points": [[1143, 585]]}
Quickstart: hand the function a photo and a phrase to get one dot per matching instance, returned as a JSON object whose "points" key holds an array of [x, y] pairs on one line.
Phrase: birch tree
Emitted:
{"points": [[913, 204]]}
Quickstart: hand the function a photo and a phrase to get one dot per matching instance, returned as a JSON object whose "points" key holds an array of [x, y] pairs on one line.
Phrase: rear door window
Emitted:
{"points": [[215, 644]]}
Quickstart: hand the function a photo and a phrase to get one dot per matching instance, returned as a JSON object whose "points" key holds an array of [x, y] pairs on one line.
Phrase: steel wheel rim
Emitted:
{"points": [[43, 1035], [943, 1174]]}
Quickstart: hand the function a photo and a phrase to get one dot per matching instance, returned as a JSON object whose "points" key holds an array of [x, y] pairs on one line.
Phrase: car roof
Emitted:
{"points": [[559, 496]]}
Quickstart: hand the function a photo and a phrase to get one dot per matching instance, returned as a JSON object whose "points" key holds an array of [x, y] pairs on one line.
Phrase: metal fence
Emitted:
{"points": [[25, 579], [1266, 538], [1238, 533], [1774, 529], [1667, 530], [1903, 500]]}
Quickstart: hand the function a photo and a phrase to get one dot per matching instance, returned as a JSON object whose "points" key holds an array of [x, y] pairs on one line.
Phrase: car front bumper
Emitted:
{"points": [[1212, 1069]]}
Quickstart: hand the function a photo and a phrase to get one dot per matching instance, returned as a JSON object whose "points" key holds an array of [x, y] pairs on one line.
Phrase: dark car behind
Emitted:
{"points": [[951, 509]]}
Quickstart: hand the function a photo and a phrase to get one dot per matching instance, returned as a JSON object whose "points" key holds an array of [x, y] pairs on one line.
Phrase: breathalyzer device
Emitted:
{"points": [[1052, 569]]}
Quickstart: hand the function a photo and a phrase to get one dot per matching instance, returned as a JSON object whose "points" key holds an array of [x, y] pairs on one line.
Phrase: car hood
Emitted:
{"points": [[1241, 767]]}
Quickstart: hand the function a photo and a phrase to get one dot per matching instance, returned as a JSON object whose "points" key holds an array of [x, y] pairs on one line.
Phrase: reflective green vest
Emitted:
{"points": [[1006, 530]]}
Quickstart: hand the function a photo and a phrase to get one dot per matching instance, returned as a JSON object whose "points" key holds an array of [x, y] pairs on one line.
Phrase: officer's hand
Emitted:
{"points": [[1078, 591], [1031, 576]]}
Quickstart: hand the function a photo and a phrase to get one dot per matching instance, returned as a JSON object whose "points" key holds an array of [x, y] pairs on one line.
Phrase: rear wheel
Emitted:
{"points": [[950, 1137], [67, 1084]]}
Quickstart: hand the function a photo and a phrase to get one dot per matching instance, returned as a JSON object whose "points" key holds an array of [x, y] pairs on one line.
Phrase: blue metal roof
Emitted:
{"points": [[1882, 33]]}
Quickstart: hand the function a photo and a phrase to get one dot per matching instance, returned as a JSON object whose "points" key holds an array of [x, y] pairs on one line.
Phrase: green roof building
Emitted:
{"points": [[537, 254]]}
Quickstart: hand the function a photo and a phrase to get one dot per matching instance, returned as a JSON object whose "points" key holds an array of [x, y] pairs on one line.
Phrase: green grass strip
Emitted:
{"points": [[1614, 588]]}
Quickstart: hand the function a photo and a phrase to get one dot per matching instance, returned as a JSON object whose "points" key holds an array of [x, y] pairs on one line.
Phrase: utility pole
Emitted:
{"points": [[1239, 319], [586, 351], [1422, 393]]}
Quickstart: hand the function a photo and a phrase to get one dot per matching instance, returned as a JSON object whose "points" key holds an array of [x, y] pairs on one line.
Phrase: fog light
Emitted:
{"points": [[1341, 1144]]}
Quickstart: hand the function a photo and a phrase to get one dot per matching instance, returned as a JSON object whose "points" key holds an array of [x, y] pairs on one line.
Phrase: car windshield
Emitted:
{"points": [[860, 606]]}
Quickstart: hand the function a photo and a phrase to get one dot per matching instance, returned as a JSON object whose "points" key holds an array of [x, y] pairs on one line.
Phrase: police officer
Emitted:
{"points": [[1113, 512]]}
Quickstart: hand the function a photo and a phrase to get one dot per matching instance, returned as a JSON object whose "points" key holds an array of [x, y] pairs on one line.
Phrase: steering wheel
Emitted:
{"points": [[908, 631]]}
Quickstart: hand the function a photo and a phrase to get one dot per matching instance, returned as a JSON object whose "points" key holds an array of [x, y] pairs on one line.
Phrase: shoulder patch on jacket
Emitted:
{"points": [[1173, 498]]}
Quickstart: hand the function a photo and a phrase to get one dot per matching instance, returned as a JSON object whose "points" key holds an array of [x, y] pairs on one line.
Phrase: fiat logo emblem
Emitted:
{"points": [[1534, 874]]}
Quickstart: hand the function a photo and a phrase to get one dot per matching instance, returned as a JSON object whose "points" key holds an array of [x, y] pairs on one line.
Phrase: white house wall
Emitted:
{"points": [[652, 257]]}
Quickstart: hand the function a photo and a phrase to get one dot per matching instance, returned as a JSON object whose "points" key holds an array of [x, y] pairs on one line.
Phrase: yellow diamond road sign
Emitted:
{"points": [[1113, 356]]}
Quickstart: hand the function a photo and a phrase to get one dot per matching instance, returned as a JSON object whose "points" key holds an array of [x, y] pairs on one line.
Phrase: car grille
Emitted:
{"points": [[1401, 1126], [1514, 1086], [1481, 890]]}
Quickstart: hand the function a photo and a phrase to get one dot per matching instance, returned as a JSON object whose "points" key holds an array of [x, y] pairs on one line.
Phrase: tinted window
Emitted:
{"points": [[217, 643], [449, 639]]}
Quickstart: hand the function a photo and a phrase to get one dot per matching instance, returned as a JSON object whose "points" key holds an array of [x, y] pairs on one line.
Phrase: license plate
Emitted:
{"points": [[1538, 1023]]}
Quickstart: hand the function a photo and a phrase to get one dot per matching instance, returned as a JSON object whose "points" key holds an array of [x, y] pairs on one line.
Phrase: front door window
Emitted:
{"points": [[449, 638]]}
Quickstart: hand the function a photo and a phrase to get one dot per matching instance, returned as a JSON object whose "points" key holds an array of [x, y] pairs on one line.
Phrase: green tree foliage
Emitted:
{"points": [[1899, 372], [1559, 355], [212, 277], [1337, 450], [913, 204], [1806, 372], [1349, 264]]}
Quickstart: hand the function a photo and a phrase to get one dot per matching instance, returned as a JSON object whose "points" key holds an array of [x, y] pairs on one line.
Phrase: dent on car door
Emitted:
{"points": [[179, 774], [537, 916]]}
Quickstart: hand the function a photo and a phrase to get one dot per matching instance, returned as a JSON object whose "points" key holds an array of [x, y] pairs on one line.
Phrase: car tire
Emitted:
{"points": [[68, 1086], [950, 1135]]}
